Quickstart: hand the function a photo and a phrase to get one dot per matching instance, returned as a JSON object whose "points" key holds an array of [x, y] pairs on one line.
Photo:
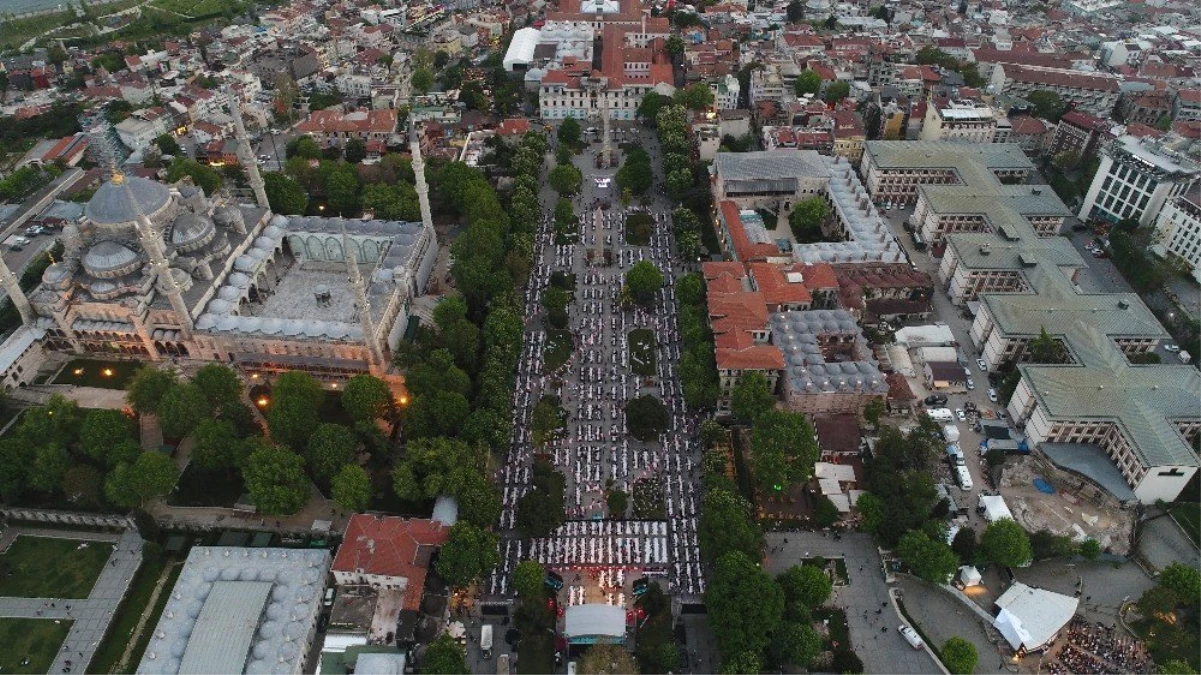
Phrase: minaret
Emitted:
{"points": [[598, 224], [8, 281], [152, 242], [375, 356], [245, 155], [423, 188], [606, 147]]}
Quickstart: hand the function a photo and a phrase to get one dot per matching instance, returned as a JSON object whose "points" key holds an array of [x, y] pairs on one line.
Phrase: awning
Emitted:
{"points": [[1091, 462]]}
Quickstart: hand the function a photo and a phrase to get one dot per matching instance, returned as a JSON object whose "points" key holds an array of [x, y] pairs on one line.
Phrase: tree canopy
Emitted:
{"points": [[351, 488], [366, 398], [275, 480], [745, 604], [784, 449], [808, 82], [643, 281], [807, 218], [152, 475], [147, 387], [444, 656], [646, 417], [959, 656], [468, 554], [293, 416], [1006, 543], [331, 447], [928, 559], [751, 397]]}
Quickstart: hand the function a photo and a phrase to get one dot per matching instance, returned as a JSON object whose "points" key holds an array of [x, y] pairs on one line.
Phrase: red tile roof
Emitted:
{"points": [[773, 283], [360, 121], [1061, 78], [818, 276], [744, 248], [387, 545]]}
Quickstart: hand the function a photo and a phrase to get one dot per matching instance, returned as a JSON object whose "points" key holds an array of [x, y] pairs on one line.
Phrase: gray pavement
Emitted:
{"points": [[1103, 586], [942, 616], [1162, 542], [89, 617], [874, 637]]}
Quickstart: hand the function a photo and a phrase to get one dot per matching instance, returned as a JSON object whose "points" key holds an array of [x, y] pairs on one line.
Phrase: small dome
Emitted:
{"points": [[115, 204], [109, 258], [190, 228], [55, 274], [279, 221]]}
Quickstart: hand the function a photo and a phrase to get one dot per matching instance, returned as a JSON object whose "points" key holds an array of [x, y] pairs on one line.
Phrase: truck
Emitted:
{"points": [[486, 640], [950, 432], [1184, 356]]}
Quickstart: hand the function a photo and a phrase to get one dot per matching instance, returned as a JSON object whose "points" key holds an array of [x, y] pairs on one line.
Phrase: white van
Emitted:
{"points": [[911, 636], [964, 477], [941, 414]]}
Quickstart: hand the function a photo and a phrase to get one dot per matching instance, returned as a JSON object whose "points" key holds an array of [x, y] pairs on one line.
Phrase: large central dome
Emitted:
{"points": [[114, 203]]}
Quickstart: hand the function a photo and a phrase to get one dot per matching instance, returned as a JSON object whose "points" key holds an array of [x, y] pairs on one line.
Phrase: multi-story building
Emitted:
{"points": [[1136, 177], [1144, 107], [1178, 229], [1077, 132], [775, 181], [1091, 92], [893, 171], [768, 84], [725, 93], [964, 121], [626, 74], [849, 135], [1186, 105], [334, 127]]}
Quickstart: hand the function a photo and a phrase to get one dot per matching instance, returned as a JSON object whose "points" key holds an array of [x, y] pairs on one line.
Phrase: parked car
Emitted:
{"points": [[1171, 348], [970, 384], [960, 414], [992, 394], [982, 365], [936, 399], [911, 637]]}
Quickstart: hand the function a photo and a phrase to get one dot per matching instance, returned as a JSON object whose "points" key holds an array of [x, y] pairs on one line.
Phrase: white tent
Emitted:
{"points": [[842, 473], [1030, 618], [829, 486], [994, 508], [970, 576]]}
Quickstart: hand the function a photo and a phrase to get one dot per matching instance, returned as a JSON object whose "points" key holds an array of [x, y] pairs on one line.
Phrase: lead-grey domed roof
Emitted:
{"points": [[190, 228], [108, 255], [113, 204]]}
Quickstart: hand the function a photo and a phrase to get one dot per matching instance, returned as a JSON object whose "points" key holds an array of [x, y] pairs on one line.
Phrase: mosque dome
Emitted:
{"points": [[191, 231], [108, 258], [55, 274], [116, 203]]}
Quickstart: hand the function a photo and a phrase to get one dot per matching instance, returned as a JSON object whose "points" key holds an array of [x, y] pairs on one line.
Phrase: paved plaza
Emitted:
{"points": [[871, 615], [90, 617], [594, 449], [294, 297]]}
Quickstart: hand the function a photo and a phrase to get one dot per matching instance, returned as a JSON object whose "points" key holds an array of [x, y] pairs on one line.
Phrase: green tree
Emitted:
{"points": [[618, 502], [837, 91], [1183, 581], [751, 397], [392, 202], [646, 418], [745, 604], [964, 545], [529, 578], [366, 398], [1047, 104], [697, 96], [1006, 543], [351, 488], [275, 480], [1046, 349], [331, 447], [825, 513], [805, 587], [808, 82], [303, 146], [871, 511], [104, 431], [565, 179], [569, 132], [220, 385], [147, 388], [727, 524], [285, 194], [784, 449], [807, 218], [927, 558], [203, 176], [152, 476], [678, 183], [796, 11], [468, 554], [873, 411], [444, 656], [293, 416], [741, 662], [421, 80], [355, 150], [1176, 667], [652, 103], [674, 46], [167, 145], [342, 191], [643, 281], [959, 656], [182, 408], [217, 446], [1090, 549], [50, 464], [794, 643]]}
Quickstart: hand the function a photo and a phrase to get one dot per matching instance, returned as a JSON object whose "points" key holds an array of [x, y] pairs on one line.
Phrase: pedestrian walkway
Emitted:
{"points": [[90, 617], [871, 618]]}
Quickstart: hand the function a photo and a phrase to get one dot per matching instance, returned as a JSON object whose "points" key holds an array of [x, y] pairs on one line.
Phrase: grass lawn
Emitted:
{"points": [[102, 374], [639, 227], [120, 631], [559, 345], [41, 567], [642, 351], [194, 8], [198, 487], [135, 657], [38, 639], [15, 32], [1188, 515]]}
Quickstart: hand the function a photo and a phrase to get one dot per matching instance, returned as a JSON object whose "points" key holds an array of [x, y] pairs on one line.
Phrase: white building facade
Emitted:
{"points": [[1135, 179]]}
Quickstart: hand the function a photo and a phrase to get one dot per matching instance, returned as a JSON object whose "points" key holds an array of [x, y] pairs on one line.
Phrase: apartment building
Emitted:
{"points": [[1136, 178], [963, 121], [1178, 229], [1091, 92], [725, 92], [768, 84], [893, 171], [1077, 132], [1186, 105]]}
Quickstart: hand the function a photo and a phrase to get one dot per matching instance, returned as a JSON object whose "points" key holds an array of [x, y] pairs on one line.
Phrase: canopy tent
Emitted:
{"points": [[994, 508], [1030, 618], [969, 575], [829, 486], [586, 624]]}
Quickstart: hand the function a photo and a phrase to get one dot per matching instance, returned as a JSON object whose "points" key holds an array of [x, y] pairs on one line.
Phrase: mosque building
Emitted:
{"points": [[159, 272]]}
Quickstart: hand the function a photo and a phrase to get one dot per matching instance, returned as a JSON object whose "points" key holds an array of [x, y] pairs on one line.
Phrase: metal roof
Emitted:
{"points": [[770, 165], [962, 157], [114, 204], [1093, 463], [595, 620], [225, 628]]}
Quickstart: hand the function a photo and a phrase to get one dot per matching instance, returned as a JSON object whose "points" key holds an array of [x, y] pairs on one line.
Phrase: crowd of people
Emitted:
{"points": [[595, 453], [1090, 648]]}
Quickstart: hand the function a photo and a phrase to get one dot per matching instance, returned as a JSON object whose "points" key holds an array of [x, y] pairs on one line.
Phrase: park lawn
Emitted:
{"points": [[38, 639], [559, 346], [101, 374], [135, 657], [642, 351], [1188, 516], [120, 631], [639, 227], [42, 567]]}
